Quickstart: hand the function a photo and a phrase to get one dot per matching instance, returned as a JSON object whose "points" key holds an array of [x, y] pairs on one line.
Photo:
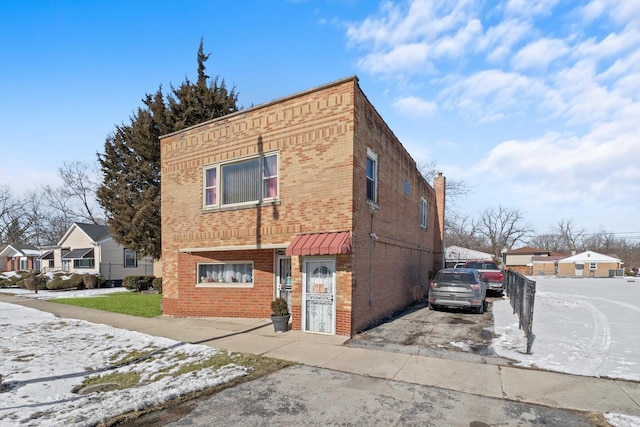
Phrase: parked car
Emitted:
{"points": [[491, 272], [458, 287]]}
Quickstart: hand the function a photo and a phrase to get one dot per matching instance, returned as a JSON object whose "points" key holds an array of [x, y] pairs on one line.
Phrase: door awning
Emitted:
{"points": [[320, 244], [78, 253]]}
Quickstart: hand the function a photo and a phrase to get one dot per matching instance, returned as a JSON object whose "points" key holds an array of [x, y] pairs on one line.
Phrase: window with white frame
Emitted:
{"points": [[225, 272], [424, 207], [130, 259], [83, 263], [593, 266], [244, 181], [372, 176]]}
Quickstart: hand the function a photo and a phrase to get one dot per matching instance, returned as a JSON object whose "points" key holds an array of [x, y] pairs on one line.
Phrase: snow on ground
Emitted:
{"points": [[585, 326], [44, 357]]}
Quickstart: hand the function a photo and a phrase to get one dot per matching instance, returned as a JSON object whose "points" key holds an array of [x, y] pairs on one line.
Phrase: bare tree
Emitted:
{"points": [[463, 231], [15, 222], [455, 188], [549, 241], [74, 200], [570, 236], [503, 227]]}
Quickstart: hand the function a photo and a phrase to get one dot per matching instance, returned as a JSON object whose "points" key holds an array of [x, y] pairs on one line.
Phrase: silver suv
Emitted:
{"points": [[458, 287]]}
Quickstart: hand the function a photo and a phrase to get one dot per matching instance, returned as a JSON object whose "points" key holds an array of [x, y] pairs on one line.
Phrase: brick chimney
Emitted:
{"points": [[439, 185]]}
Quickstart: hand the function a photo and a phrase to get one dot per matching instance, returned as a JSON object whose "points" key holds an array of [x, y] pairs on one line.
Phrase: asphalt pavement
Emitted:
{"points": [[345, 385]]}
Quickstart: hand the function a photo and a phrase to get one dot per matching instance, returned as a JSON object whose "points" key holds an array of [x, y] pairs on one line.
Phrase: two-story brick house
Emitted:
{"points": [[311, 197]]}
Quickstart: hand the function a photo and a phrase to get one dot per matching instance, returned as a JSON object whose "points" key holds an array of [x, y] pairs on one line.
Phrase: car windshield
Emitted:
{"points": [[482, 265], [455, 278]]}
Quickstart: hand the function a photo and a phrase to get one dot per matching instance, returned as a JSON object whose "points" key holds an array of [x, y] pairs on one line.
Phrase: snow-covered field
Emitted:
{"points": [[587, 327], [45, 357]]}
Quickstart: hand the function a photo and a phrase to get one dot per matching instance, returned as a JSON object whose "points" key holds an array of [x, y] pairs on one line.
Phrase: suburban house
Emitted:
{"points": [[310, 197], [89, 248], [590, 264], [546, 265], [20, 257], [521, 259], [457, 254]]}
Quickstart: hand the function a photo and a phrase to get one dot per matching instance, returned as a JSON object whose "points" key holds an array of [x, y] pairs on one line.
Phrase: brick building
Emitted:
{"points": [[310, 197]]}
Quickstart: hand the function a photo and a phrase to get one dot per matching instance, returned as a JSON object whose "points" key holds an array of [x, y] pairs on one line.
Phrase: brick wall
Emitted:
{"points": [[312, 133], [321, 137]]}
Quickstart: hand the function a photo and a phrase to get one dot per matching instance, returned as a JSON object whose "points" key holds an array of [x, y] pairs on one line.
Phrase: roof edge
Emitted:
{"points": [[268, 103]]}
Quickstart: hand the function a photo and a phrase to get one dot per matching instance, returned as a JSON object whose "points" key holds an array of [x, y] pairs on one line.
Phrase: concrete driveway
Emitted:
{"points": [[446, 333], [305, 395]]}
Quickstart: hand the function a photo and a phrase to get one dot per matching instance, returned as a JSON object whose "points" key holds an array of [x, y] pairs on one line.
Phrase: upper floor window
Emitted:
{"points": [[423, 212], [244, 181], [130, 259], [372, 176]]}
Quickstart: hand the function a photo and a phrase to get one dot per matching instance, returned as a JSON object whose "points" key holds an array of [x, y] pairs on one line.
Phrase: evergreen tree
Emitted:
{"points": [[130, 191]]}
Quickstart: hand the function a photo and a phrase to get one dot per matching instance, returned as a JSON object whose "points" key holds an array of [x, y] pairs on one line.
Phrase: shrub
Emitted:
{"points": [[138, 283], [279, 307], [157, 284], [34, 282], [89, 281], [66, 282]]}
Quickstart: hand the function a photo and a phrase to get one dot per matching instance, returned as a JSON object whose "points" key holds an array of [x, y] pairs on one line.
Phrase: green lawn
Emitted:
{"points": [[133, 303]]}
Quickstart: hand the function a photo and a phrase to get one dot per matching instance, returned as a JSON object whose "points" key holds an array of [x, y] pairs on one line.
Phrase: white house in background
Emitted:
{"points": [[456, 254], [589, 264], [89, 248]]}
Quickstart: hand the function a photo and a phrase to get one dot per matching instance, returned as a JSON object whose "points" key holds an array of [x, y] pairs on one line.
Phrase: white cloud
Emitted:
{"points": [[456, 45], [498, 41], [539, 54], [414, 106], [530, 8], [491, 94], [402, 58]]}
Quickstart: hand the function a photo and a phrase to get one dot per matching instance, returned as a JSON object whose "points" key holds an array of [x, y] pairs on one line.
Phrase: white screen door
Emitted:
{"points": [[318, 296]]}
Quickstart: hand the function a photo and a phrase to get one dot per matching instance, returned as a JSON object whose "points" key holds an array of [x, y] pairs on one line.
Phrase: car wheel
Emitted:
{"points": [[432, 306], [480, 308]]}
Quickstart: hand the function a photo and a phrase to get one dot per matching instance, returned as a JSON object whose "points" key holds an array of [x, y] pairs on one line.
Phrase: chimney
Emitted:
{"points": [[439, 185]]}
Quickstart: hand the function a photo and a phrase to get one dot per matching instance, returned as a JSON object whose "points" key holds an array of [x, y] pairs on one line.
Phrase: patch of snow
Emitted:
{"points": [[44, 358], [580, 326]]}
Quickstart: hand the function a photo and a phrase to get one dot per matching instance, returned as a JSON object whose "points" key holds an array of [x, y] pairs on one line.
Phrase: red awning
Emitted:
{"points": [[320, 244]]}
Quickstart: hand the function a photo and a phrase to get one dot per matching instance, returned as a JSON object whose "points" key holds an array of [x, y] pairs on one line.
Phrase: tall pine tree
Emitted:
{"points": [[130, 191]]}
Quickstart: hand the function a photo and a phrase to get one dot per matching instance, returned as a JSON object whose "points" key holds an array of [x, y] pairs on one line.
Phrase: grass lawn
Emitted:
{"points": [[133, 303]]}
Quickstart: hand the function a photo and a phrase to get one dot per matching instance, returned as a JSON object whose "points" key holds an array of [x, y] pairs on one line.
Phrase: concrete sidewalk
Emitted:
{"points": [[256, 336]]}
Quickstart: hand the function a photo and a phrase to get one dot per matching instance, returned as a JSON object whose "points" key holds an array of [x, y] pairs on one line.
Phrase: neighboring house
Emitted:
{"points": [[89, 248], [546, 265], [520, 259], [457, 254], [20, 257], [589, 264], [310, 197]]}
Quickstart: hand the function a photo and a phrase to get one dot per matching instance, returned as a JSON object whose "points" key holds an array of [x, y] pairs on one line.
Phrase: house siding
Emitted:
{"points": [[321, 137]]}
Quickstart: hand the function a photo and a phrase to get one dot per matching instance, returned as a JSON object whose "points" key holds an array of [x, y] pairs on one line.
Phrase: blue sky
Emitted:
{"points": [[535, 104]]}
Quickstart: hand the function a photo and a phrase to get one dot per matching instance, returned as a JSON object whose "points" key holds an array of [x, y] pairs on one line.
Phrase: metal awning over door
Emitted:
{"points": [[334, 243]]}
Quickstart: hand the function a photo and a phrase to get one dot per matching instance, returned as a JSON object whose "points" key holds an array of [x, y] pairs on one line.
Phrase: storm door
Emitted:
{"points": [[319, 287], [283, 278]]}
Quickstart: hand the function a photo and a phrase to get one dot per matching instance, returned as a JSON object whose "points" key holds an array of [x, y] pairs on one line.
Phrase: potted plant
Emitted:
{"points": [[280, 315]]}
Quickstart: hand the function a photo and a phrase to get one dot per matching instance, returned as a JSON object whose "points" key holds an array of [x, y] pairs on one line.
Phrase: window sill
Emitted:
{"points": [[266, 203], [225, 285]]}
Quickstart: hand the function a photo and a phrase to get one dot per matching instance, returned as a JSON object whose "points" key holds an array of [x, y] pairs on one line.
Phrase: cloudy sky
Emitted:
{"points": [[535, 104]]}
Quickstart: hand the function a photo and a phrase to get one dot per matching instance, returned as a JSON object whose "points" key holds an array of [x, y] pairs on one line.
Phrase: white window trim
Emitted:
{"points": [[424, 213], [373, 156], [593, 266], [200, 284], [219, 166]]}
